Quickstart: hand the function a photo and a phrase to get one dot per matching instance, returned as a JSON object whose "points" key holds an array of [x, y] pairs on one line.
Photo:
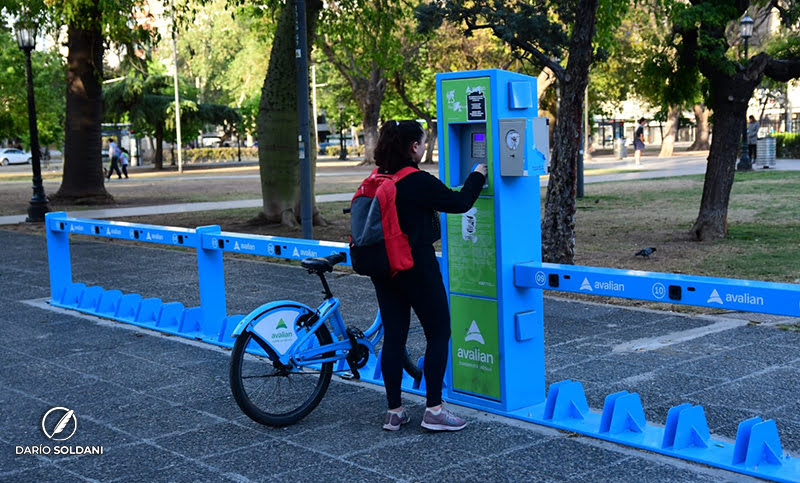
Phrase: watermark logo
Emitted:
{"points": [[59, 424]]}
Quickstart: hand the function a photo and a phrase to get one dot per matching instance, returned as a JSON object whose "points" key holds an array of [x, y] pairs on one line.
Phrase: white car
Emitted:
{"points": [[14, 156]]}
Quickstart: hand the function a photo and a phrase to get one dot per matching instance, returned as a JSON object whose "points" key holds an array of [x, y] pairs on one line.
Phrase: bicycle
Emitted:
{"points": [[284, 355]]}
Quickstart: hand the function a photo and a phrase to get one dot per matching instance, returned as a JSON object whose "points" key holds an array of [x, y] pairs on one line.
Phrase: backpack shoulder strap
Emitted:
{"points": [[403, 173]]}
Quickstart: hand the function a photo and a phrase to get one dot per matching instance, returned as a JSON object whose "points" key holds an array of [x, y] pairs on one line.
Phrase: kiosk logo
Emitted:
{"points": [[64, 419], [586, 285], [474, 334], [714, 297]]}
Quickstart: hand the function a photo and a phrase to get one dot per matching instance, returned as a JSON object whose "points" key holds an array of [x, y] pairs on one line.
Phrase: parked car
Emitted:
{"points": [[14, 156]]}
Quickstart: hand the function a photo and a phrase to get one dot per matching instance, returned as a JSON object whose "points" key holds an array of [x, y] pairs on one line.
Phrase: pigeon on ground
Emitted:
{"points": [[645, 252]]}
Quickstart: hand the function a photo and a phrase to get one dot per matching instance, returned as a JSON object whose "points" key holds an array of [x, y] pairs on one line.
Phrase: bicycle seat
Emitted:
{"points": [[323, 264]]}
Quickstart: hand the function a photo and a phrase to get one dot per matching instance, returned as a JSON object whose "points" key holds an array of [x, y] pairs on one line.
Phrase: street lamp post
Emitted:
{"points": [[26, 39], [342, 146], [745, 164]]}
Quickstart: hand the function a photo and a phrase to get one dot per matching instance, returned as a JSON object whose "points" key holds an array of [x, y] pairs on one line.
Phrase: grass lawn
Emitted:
{"points": [[613, 221]]}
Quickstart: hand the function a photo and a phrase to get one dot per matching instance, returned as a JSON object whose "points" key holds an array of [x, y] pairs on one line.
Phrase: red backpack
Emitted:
{"points": [[378, 247]]}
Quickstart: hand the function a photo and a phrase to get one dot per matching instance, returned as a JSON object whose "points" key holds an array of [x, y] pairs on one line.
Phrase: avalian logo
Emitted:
{"points": [[236, 246], [281, 325], [714, 297], [295, 253], [474, 334], [64, 419], [586, 285]]}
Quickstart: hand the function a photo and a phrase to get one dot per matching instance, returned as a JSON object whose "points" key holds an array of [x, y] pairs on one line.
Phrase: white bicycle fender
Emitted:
{"points": [[245, 322]]}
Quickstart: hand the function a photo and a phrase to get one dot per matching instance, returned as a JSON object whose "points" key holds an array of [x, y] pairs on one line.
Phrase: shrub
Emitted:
{"points": [[787, 145], [334, 150], [218, 155]]}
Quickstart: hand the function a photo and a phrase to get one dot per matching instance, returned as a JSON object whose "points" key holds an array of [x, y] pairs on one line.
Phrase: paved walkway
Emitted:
{"points": [[161, 408], [599, 169]]}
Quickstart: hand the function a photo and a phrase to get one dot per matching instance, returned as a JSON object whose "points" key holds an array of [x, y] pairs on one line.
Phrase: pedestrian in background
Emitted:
{"points": [[124, 160], [638, 142], [752, 138], [113, 154]]}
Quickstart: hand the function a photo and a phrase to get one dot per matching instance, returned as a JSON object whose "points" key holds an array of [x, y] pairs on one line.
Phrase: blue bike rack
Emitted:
{"points": [[757, 450]]}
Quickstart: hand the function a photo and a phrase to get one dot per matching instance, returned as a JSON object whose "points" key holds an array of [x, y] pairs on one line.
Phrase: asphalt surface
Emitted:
{"points": [[161, 408]]}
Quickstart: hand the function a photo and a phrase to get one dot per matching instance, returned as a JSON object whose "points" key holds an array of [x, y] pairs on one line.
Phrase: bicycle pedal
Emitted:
{"points": [[351, 376], [354, 333]]}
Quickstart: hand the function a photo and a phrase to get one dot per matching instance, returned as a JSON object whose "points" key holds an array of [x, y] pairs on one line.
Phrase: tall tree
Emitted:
{"points": [[542, 32], [90, 24], [415, 83], [278, 124], [364, 40], [703, 27]]}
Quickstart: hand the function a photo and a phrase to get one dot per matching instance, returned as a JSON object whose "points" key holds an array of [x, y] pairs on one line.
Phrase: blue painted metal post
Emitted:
{"points": [[211, 275], [58, 254]]}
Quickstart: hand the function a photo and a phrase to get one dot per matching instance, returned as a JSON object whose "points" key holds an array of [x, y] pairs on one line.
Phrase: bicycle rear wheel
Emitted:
{"points": [[270, 393]]}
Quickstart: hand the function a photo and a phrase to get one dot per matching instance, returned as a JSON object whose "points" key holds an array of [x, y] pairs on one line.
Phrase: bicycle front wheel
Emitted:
{"points": [[271, 393]]}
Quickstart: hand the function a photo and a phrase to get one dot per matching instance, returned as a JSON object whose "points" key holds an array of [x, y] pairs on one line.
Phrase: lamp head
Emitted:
{"points": [[26, 34], [746, 25]]}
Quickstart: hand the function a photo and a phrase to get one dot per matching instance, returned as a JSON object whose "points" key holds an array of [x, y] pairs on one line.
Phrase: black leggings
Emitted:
{"points": [[422, 289]]}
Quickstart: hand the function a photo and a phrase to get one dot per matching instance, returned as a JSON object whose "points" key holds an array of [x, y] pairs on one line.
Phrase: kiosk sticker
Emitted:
{"points": [[476, 106], [476, 355], [471, 250]]}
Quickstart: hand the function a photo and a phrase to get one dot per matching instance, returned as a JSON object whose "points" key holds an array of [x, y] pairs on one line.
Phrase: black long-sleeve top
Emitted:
{"points": [[420, 195]]}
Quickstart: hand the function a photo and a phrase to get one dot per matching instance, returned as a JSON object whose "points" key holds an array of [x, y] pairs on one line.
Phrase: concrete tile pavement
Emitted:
{"points": [[161, 407]]}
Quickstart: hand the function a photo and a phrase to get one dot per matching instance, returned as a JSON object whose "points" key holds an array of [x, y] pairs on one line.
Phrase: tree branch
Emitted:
{"points": [[782, 70]]}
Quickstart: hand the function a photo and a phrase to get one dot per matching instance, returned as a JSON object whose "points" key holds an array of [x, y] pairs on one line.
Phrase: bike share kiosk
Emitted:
{"points": [[497, 342]]}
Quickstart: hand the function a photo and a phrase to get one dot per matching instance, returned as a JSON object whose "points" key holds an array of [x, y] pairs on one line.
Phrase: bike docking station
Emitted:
{"points": [[494, 277]]}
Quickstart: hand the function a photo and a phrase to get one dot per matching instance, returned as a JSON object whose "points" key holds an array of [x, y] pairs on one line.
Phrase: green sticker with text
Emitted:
{"points": [[476, 355]]}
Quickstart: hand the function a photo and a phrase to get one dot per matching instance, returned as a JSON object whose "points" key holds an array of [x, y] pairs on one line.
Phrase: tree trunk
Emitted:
{"points": [[702, 134], [370, 103], [277, 123], [558, 225], [158, 161], [82, 181], [433, 134], [668, 141], [544, 80], [729, 102]]}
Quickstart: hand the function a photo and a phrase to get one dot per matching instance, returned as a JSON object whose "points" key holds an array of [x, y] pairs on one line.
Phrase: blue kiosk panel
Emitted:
{"points": [[497, 351]]}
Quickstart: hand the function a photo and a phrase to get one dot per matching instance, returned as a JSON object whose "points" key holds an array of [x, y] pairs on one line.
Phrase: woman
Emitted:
{"points": [[419, 196]]}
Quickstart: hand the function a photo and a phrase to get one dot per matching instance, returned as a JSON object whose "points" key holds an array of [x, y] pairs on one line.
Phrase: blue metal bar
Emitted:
{"points": [[723, 293], [273, 246], [162, 235]]}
